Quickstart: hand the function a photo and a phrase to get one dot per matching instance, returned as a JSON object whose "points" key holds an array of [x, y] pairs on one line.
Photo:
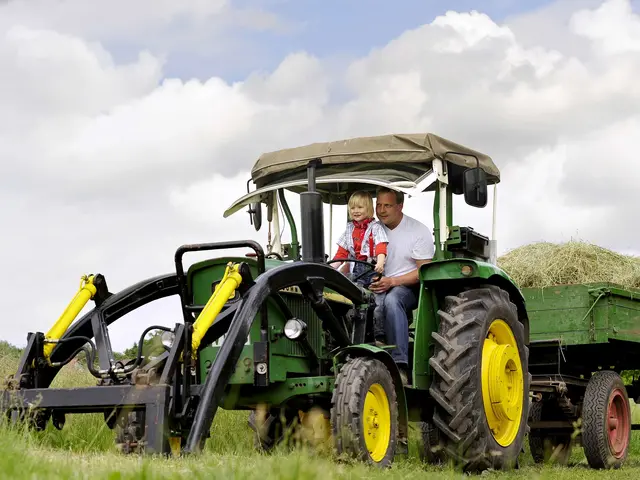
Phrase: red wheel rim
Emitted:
{"points": [[618, 424]]}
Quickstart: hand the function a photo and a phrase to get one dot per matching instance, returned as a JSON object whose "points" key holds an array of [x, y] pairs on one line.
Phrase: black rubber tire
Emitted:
{"points": [[274, 431], [595, 420], [542, 446], [352, 384], [457, 386], [431, 448], [130, 432]]}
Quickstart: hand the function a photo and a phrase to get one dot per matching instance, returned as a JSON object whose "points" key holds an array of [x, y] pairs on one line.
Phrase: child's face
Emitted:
{"points": [[357, 213]]}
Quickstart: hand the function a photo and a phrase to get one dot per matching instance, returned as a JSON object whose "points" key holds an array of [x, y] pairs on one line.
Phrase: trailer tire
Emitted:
{"points": [[364, 412], [480, 344], [606, 421]]}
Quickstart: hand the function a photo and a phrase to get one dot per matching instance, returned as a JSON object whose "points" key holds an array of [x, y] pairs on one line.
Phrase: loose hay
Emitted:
{"points": [[545, 264]]}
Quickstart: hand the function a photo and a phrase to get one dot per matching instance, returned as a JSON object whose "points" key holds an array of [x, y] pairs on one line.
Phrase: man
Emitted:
{"points": [[410, 246]]}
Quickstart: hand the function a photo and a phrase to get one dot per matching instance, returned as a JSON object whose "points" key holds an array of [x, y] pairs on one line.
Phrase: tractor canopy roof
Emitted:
{"points": [[401, 162]]}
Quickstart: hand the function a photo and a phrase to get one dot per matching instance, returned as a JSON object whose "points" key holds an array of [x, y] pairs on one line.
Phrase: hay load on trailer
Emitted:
{"points": [[583, 303]]}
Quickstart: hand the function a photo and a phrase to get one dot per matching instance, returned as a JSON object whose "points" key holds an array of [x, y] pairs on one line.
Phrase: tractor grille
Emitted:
{"points": [[302, 310]]}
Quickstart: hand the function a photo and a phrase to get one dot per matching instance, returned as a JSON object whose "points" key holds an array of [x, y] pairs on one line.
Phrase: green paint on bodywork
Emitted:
{"points": [[277, 393], [425, 322], [451, 269], [285, 356], [584, 313]]}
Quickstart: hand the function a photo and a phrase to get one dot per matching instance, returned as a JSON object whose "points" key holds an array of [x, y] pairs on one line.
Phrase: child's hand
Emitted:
{"points": [[380, 263]]}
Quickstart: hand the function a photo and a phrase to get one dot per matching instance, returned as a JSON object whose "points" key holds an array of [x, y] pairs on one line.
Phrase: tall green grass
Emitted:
{"points": [[85, 448]]}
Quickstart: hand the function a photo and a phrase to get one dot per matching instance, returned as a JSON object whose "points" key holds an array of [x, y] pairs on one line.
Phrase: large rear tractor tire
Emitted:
{"points": [[606, 421], [481, 382], [364, 413]]}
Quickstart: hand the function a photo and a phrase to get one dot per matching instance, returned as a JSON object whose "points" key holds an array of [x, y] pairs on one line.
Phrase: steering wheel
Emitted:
{"points": [[366, 272]]}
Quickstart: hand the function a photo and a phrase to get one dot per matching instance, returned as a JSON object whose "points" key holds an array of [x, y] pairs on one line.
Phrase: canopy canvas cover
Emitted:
{"points": [[397, 161]]}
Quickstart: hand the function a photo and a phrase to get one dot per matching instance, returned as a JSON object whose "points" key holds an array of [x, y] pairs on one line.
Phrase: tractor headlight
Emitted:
{"points": [[295, 329], [167, 339]]}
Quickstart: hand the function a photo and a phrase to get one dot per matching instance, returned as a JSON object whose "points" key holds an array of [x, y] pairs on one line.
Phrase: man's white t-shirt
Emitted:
{"points": [[411, 240]]}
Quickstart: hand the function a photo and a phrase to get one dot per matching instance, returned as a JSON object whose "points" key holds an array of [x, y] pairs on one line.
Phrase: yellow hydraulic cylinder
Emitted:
{"points": [[221, 294], [85, 293]]}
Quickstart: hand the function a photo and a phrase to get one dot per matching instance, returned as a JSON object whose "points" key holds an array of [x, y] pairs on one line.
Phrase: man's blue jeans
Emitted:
{"points": [[398, 303]]}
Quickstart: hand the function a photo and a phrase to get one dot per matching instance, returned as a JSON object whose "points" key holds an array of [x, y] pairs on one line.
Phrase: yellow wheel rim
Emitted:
{"points": [[502, 383], [376, 422]]}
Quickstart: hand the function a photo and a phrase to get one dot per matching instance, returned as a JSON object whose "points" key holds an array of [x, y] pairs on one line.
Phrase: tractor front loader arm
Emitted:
{"points": [[109, 308], [307, 276]]}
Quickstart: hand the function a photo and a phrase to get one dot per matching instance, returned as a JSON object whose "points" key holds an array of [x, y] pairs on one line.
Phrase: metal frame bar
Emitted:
{"points": [[103, 342], [104, 399]]}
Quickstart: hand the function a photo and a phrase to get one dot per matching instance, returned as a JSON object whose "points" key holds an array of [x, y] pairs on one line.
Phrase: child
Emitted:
{"points": [[364, 239]]}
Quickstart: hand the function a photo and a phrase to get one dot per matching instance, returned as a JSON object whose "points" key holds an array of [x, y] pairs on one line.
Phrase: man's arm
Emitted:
{"points": [[409, 278]]}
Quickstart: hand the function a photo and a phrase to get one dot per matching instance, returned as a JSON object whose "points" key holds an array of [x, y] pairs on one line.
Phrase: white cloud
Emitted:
{"points": [[108, 167], [150, 21], [612, 25]]}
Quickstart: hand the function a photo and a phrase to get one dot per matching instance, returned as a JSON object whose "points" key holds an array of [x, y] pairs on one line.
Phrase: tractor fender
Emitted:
{"points": [[372, 351], [476, 272]]}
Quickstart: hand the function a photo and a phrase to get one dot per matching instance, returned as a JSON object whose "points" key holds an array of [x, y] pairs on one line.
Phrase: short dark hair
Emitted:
{"points": [[399, 195]]}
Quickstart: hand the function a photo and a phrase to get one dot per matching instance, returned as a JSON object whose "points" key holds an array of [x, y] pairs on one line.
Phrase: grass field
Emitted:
{"points": [[85, 448]]}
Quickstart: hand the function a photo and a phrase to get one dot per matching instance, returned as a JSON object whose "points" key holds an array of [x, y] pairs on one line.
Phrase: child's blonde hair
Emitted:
{"points": [[362, 199]]}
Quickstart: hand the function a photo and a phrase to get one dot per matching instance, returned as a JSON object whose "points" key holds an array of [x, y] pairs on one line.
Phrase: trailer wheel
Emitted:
{"points": [[548, 448], [606, 421], [481, 383], [364, 413]]}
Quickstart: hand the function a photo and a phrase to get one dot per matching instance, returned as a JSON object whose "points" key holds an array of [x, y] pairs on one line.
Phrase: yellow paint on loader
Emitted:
{"points": [[221, 294], [85, 293]]}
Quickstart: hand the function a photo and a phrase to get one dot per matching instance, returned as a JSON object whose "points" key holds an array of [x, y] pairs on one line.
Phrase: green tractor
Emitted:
{"points": [[283, 334]]}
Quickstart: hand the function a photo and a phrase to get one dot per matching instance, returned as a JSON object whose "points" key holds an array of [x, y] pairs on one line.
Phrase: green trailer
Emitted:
{"points": [[582, 337]]}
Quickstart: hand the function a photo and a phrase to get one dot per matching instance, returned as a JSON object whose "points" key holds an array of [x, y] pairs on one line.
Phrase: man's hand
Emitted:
{"points": [[382, 285]]}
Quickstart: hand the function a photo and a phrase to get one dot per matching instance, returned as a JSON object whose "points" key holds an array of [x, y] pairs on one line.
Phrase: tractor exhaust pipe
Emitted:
{"points": [[312, 218]]}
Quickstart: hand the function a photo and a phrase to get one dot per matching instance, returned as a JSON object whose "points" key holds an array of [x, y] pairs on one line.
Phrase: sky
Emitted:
{"points": [[126, 129]]}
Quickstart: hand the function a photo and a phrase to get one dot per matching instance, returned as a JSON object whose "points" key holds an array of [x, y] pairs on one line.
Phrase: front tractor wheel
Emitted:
{"points": [[481, 383], [364, 413]]}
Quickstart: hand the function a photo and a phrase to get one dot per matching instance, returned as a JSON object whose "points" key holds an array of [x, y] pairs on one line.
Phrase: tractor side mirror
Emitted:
{"points": [[255, 215], [475, 187]]}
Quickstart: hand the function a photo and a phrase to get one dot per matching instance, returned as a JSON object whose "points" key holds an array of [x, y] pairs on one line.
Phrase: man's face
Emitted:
{"points": [[388, 211]]}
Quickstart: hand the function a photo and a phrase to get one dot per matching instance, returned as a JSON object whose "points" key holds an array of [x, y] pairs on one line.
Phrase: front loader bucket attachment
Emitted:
{"points": [[27, 393]]}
